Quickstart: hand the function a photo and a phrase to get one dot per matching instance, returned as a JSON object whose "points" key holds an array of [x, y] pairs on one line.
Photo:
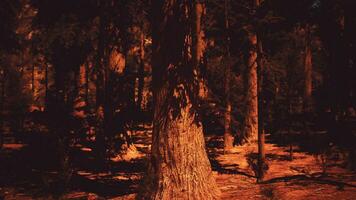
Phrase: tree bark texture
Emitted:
{"points": [[250, 125], [228, 137], [179, 167], [141, 71]]}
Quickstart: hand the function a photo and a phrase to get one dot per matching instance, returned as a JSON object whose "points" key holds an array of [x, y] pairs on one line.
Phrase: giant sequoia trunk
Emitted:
{"points": [[179, 166], [250, 129]]}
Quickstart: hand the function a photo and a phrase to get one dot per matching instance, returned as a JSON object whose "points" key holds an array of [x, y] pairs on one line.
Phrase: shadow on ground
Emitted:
{"points": [[215, 149]]}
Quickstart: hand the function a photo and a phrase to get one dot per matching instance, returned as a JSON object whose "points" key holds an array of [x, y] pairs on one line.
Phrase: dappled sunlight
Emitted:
{"points": [[129, 154], [301, 178]]}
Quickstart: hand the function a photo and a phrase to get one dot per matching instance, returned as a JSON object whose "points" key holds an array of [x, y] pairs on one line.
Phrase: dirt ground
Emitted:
{"points": [[307, 176]]}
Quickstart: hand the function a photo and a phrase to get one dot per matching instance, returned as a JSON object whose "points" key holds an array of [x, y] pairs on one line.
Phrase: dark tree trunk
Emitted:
{"points": [[108, 103], [179, 167], [46, 84], [2, 105], [228, 137], [105, 111], [289, 93], [141, 71], [261, 129], [86, 95], [33, 70], [59, 112], [308, 70], [100, 139], [74, 94]]}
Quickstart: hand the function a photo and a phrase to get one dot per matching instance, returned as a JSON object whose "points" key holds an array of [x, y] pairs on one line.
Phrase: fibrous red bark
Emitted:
{"points": [[179, 167]]}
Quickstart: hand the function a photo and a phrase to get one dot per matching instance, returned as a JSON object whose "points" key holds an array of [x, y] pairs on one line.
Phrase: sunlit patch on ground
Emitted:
{"points": [[129, 154], [300, 178]]}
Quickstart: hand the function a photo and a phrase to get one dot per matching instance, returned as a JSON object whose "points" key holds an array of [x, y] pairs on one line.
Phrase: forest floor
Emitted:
{"points": [[307, 176]]}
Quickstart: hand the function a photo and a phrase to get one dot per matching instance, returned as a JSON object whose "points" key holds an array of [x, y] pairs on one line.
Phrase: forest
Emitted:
{"points": [[178, 99]]}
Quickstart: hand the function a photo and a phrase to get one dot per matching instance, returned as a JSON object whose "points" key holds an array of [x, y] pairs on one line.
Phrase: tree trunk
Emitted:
{"points": [[100, 146], [59, 113], [141, 72], [289, 93], [82, 85], [228, 137], [77, 93], [261, 156], [86, 95], [108, 103], [198, 51], [33, 81], [105, 109], [46, 85], [2, 106], [250, 125], [262, 166], [179, 167], [308, 70]]}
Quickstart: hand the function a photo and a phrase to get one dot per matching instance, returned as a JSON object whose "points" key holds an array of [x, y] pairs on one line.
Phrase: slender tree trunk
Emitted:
{"points": [[228, 137], [108, 103], [3, 84], [308, 69], [80, 93], [141, 72], [86, 95], [33, 80], [74, 92], [198, 56], [289, 121], [261, 156], [197, 37], [46, 85], [179, 167], [59, 112], [2, 106], [100, 140], [126, 121], [250, 125], [82, 83], [104, 91], [289, 109], [261, 129]]}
